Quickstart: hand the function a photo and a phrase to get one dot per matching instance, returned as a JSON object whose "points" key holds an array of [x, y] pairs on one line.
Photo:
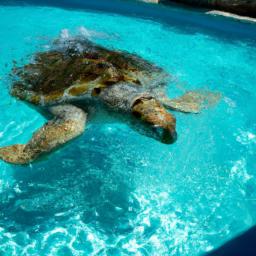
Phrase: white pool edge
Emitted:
{"points": [[231, 15]]}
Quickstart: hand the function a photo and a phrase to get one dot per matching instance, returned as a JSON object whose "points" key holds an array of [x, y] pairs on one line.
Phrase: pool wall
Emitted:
{"points": [[241, 245], [241, 7], [187, 19]]}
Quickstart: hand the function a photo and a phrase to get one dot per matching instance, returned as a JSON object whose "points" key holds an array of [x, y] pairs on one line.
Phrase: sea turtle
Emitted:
{"points": [[76, 73]]}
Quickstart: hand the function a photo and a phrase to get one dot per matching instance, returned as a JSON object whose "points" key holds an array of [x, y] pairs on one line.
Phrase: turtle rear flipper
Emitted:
{"points": [[192, 101], [68, 123]]}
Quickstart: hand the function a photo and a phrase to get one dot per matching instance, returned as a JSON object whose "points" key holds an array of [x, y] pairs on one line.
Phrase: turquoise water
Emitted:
{"points": [[113, 191]]}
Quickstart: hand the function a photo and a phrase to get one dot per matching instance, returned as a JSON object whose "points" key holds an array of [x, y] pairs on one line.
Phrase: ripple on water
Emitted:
{"points": [[113, 191]]}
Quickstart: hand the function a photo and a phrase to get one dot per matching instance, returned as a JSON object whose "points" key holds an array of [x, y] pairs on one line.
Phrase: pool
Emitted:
{"points": [[113, 191]]}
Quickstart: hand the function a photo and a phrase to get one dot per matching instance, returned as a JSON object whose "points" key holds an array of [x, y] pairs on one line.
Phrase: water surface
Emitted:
{"points": [[113, 191]]}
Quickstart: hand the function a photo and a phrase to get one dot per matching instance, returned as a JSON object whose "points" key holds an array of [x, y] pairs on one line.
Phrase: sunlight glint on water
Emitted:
{"points": [[113, 191]]}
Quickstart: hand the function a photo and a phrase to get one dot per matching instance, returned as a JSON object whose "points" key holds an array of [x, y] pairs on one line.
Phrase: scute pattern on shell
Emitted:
{"points": [[74, 71]]}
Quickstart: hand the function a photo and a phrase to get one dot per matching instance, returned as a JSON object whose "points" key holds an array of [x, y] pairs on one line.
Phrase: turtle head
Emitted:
{"points": [[159, 123], [151, 118]]}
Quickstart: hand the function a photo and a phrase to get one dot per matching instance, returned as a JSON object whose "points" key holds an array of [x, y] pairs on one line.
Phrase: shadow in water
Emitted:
{"points": [[244, 244], [78, 180]]}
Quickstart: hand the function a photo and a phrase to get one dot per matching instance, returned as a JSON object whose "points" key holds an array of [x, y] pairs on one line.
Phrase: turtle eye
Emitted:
{"points": [[96, 91], [138, 101], [142, 100]]}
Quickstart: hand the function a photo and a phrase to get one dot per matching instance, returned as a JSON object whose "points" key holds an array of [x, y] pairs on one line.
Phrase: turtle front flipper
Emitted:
{"points": [[192, 101], [68, 123]]}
